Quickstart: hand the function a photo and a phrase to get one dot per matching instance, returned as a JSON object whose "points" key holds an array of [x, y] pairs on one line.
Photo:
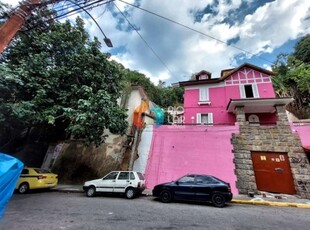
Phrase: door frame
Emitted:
{"points": [[272, 171]]}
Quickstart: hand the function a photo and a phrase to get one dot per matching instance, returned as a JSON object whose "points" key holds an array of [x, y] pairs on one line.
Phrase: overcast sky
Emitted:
{"points": [[230, 32]]}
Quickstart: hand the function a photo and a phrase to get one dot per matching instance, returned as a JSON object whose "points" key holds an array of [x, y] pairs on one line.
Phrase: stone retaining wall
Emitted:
{"points": [[278, 138]]}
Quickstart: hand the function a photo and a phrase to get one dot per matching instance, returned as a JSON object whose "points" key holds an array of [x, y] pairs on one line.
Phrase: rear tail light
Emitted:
{"points": [[41, 177], [139, 184], [229, 189]]}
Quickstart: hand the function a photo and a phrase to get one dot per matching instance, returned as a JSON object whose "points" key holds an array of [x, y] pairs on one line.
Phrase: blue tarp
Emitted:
{"points": [[10, 169]]}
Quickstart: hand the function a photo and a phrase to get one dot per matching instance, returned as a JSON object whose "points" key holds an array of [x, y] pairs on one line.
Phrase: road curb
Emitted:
{"points": [[251, 202], [270, 203], [67, 190]]}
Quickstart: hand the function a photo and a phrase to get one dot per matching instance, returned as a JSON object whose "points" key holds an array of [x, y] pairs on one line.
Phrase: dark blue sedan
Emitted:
{"points": [[195, 187]]}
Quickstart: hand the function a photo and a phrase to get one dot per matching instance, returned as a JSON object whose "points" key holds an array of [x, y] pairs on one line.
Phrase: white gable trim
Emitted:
{"points": [[248, 79]]}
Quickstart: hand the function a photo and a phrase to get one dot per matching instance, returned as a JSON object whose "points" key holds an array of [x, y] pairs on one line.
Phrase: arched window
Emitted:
{"points": [[253, 118]]}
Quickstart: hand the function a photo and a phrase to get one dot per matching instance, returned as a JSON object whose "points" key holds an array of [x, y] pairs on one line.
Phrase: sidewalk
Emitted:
{"points": [[270, 199]]}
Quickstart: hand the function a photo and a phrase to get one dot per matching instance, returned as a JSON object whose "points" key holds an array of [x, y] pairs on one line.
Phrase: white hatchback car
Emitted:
{"points": [[130, 183]]}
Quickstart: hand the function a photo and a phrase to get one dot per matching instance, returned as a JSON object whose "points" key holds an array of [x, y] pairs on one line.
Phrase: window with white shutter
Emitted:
{"points": [[255, 91], [242, 92], [204, 94], [198, 118], [204, 118], [249, 91], [210, 118]]}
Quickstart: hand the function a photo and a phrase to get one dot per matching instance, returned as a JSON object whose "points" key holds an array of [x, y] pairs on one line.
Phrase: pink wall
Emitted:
{"points": [[219, 98], [221, 95], [303, 130], [266, 90], [179, 150]]}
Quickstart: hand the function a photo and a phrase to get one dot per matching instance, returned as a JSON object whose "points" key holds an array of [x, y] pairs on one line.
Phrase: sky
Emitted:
{"points": [[188, 36]]}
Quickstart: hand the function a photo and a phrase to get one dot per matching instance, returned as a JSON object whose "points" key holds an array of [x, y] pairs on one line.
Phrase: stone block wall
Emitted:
{"points": [[78, 162], [278, 138]]}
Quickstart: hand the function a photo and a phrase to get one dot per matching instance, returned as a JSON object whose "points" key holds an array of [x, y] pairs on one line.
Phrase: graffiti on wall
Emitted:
{"points": [[303, 184], [299, 160]]}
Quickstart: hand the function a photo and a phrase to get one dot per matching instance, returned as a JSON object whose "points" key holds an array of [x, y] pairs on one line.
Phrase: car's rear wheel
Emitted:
{"points": [[23, 188], [130, 193], [218, 200], [165, 196], [91, 191]]}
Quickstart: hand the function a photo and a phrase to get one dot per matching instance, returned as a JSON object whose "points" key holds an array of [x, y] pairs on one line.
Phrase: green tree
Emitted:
{"points": [[302, 50], [54, 78], [160, 95], [293, 80]]}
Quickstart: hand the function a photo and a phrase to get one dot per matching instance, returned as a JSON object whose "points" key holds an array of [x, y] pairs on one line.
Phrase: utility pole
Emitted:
{"points": [[15, 22]]}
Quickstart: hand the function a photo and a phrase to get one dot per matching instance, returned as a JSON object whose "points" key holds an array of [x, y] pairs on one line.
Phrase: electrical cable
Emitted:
{"points": [[100, 15], [77, 11], [69, 5], [72, 12], [153, 51], [85, 7], [194, 30], [106, 40]]}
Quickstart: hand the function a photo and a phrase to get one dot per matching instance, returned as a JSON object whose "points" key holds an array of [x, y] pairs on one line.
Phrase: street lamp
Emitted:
{"points": [[106, 40]]}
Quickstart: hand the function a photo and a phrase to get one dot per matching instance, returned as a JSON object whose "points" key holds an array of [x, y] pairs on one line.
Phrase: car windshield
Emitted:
{"points": [[141, 177], [189, 179], [42, 171]]}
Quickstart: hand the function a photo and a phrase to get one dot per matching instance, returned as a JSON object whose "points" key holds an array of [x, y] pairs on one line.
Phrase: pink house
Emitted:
{"points": [[235, 128], [213, 100], [268, 155]]}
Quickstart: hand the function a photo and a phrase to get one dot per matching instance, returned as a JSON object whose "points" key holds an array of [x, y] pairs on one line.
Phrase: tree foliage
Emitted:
{"points": [[293, 78], [302, 50], [56, 79], [159, 94]]}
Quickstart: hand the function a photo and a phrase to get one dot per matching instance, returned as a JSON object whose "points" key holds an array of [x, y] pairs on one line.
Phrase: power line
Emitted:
{"points": [[153, 51], [72, 12], [72, 4], [106, 40], [100, 15], [86, 6], [197, 31]]}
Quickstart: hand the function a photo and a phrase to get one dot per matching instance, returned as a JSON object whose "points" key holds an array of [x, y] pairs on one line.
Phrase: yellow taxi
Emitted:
{"points": [[36, 178]]}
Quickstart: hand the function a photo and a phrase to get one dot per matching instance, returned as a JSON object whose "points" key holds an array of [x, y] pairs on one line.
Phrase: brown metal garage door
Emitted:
{"points": [[273, 172]]}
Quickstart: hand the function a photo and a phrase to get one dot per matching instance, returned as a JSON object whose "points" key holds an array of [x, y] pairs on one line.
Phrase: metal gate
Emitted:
{"points": [[273, 173]]}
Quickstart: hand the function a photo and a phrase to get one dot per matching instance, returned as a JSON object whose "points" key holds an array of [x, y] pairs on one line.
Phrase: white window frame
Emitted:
{"points": [[254, 89], [210, 118], [203, 94]]}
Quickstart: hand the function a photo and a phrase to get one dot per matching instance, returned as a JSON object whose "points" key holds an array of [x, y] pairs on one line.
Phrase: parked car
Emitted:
{"points": [[130, 183], [195, 187], [36, 178]]}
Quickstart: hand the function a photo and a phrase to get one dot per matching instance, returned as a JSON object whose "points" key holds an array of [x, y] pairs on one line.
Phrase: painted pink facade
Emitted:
{"points": [[202, 143], [220, 91], [179, 150], [303, 130]]}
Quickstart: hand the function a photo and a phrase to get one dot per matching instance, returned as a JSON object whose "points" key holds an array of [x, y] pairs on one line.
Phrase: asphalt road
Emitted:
{"points": [[55, 210]]}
